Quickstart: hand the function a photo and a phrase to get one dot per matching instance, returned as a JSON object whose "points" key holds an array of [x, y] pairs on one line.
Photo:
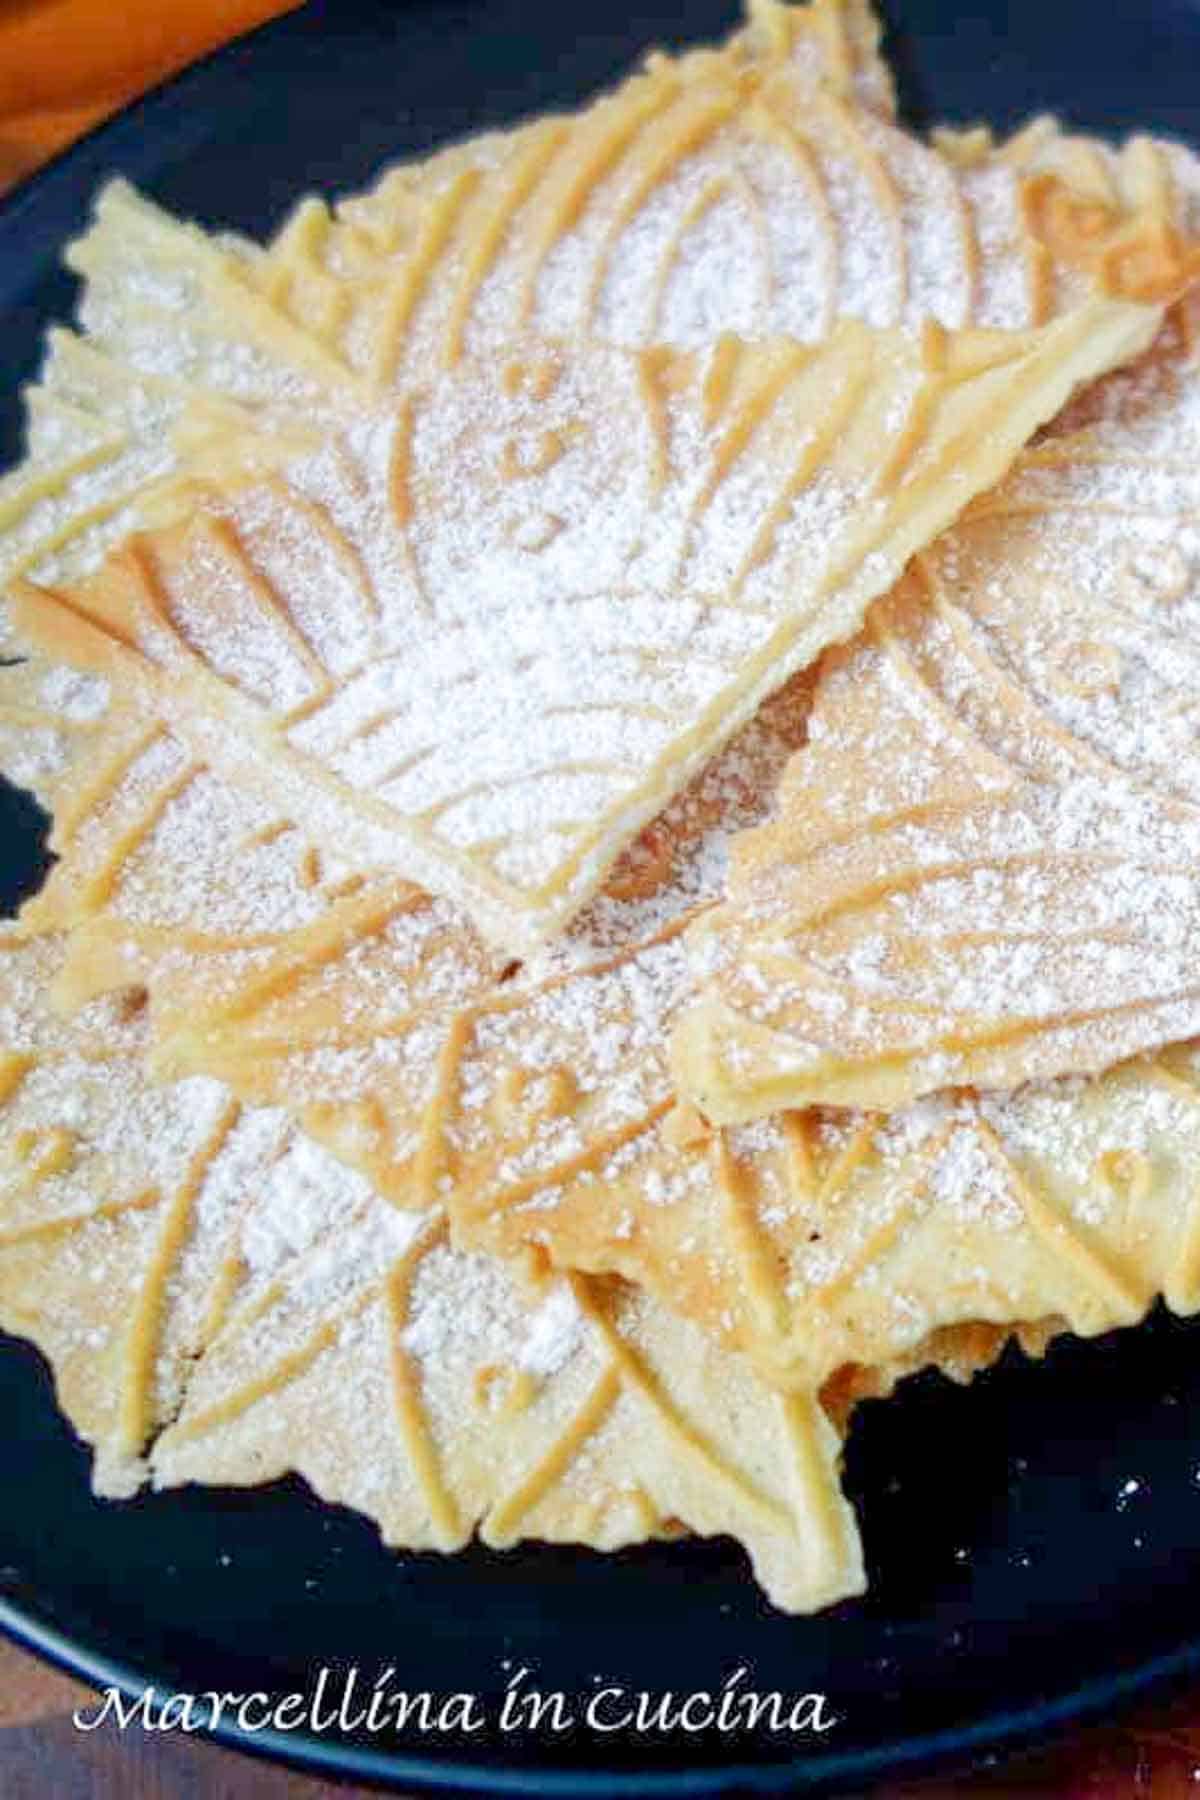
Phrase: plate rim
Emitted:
{"points": [[996, 1735]]}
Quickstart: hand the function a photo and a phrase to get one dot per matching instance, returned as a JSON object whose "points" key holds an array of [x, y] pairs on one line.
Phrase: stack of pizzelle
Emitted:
{"points": [[618, 724]]}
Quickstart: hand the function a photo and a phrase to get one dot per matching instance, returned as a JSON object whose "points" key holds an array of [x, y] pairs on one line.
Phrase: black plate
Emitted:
{"points": [[1018, 1582]]}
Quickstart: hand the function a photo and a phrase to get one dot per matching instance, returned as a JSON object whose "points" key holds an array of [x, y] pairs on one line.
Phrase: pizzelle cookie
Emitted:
{"points": [[780, 1190], [171, 318], [1006, 895], [710, 196], [347, 1008], [299, 965], [483, 635], [221, 1301], [381, 1017], [296, 1010], [838, 1250], [335, 996], [517, 815], [820, 1240], [100, 417]]}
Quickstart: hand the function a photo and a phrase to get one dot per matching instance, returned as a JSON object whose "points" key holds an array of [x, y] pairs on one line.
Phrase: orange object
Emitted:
{"points": [[67, 64]]}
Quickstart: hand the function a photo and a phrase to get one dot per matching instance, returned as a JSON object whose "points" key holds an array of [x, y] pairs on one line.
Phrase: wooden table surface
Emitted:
{"points": [[63, 67]]}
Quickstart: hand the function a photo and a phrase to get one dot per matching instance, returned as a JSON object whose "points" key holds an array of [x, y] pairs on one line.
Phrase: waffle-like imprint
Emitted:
{"points": [[710, 196], [839, 1252], [223, 1302], [288, 1028], [185, 874], [249, 336], [1067, 1256], [263, 970], [821, 1241], [736, 536], [980, 868], [284, 973], [481, 637]]}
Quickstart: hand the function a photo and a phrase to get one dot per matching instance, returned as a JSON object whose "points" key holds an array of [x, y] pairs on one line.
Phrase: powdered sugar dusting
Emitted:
{"points": [[980, 868]]}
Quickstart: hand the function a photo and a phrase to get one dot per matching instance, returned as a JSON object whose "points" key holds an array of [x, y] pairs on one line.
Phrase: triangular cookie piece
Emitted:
{"points": [[980, 869], [446, 1399], [717, 194], [480, 638], [826, 1242], [171, 320], [189, 1264], [213, 355]]}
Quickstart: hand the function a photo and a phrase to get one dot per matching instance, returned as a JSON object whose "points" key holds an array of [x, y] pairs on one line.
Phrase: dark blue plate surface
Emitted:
{"points": [[1018, 1583]]}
